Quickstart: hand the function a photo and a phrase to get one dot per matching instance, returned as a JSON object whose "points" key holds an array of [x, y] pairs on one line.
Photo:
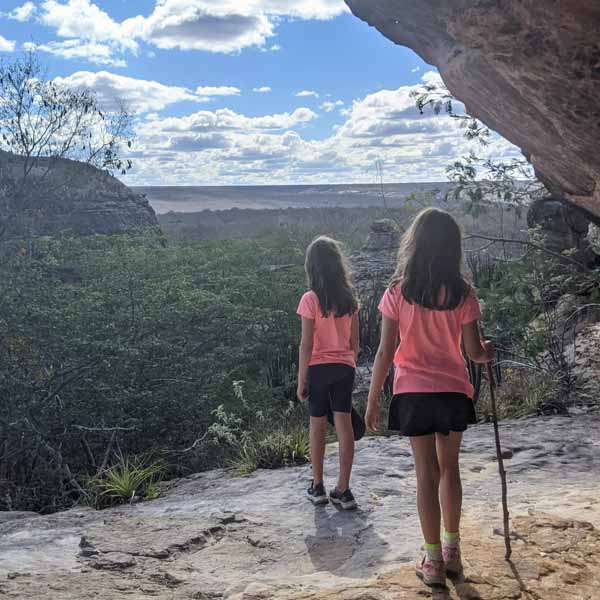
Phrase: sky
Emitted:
{"points": [[231, 92]]}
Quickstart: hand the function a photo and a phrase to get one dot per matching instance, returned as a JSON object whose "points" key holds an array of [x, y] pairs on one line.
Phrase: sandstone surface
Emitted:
{"points": [[256, 538]]}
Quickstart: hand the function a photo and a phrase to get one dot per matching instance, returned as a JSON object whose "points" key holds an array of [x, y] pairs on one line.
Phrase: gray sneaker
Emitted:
{"points": [[317, 494], [345, 500]]}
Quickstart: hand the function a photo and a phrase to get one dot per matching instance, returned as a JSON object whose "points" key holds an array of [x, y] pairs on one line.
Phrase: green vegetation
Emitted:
{"points": [[117, 348], [126, 481], [121, 344], [527, 314], [271, 451]]}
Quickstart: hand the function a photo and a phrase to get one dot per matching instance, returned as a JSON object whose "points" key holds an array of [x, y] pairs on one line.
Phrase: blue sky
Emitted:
{"points": [[253, 91]]}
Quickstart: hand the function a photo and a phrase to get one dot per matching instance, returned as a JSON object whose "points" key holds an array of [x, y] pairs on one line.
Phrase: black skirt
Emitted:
{"points": [[415, 414]]}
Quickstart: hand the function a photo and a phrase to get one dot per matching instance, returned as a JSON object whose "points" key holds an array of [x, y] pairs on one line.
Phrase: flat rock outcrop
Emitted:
{"points": [[529, 70], [213, 537], [73, 198]]}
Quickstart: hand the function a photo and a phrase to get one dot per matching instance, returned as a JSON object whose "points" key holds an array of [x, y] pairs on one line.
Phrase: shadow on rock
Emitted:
{"points": [[344, 543], [464, 590]]}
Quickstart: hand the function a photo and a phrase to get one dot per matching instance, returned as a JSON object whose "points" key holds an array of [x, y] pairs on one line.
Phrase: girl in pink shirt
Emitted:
{"points": [[328, 351], [427, 311]]}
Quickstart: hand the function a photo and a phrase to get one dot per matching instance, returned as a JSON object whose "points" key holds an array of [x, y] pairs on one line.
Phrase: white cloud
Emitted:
{"points": [[138, 95], [21, 13], [265, 89], [225, 119], [433, 78], [302, 9], [307, 93], [387, 114], [100, 54], [210, 25], [329, 105], [224, 26], [225, 147], [6, 45], [81, 19], [415, 70], [222, 90]]}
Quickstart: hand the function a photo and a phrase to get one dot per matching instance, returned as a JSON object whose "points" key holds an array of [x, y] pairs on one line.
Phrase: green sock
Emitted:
{"points": [[450, 537], [434, 551]]}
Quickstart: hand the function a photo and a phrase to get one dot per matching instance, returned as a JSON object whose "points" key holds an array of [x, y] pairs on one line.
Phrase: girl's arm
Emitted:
{"points": [[477, 349], [381, 368], [306, 346], [354, 336]]}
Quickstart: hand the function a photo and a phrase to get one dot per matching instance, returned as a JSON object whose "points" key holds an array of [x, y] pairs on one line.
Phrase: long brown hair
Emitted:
{"points": [[327, 276], [429, 262]]}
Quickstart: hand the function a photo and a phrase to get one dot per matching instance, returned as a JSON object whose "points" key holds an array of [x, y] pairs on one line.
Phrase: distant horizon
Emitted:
{"points": [[286, 185], [197, 198]]}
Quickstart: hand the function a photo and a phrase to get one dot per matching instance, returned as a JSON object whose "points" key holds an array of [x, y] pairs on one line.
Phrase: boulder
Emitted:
{"points": [[560, 227], [375, 264], [529, 70]]}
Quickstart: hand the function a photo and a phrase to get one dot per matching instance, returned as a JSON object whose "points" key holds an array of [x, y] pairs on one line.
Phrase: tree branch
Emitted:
{"points": [[477, 236]]}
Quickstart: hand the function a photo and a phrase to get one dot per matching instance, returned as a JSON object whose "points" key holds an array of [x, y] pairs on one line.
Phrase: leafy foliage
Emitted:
{"points": [[478, 179], [127, 480], [40, 118], [274, 450], [122, 336], [41, 123]]}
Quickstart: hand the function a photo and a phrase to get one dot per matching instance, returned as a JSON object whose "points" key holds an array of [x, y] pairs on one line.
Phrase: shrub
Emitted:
{"points": [[127, 480], [272, 451], [523, 393], [121, 334]]}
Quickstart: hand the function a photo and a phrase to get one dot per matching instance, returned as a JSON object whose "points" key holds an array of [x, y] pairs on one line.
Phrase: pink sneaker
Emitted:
{"points": [[452, 560], [432, 572]]}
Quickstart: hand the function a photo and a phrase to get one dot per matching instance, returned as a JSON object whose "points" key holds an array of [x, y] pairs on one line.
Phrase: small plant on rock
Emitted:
{"points": [[272, 451], [128, 480]]}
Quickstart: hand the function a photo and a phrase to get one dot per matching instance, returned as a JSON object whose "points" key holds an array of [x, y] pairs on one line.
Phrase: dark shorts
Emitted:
{"points": [[417, 414], [330, 388]]}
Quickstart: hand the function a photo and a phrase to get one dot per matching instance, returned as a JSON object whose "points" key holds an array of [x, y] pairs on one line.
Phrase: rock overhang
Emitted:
{"points": [[530, 70]]}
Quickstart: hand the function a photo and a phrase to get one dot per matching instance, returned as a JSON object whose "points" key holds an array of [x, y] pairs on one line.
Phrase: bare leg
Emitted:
{"points": [[428, 482], [345, 435], [448, 449], [318, 429]]}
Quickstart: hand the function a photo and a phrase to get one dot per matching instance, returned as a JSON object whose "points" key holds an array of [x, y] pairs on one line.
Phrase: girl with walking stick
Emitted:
{"points": [[427, 311]]}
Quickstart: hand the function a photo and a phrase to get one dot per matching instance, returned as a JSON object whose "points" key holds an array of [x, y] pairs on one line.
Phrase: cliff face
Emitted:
{"points": [[529, 69], [72, 198]]}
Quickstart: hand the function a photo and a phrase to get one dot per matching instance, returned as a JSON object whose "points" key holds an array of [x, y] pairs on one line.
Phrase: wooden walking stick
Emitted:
{"points": [[500, 463]]}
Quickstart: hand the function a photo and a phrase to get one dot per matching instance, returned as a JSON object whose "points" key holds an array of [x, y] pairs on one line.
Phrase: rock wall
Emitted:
{"points": [[561, 227], [528, 69], [74, 198]]}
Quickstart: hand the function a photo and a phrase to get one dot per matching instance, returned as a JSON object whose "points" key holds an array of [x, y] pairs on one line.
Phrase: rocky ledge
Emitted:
{"points": [[72, 198], [257, 538]]}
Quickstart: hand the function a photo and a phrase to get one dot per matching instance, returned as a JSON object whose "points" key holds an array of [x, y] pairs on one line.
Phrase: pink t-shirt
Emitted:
{"points": [[429, 357], [331, 337]]}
